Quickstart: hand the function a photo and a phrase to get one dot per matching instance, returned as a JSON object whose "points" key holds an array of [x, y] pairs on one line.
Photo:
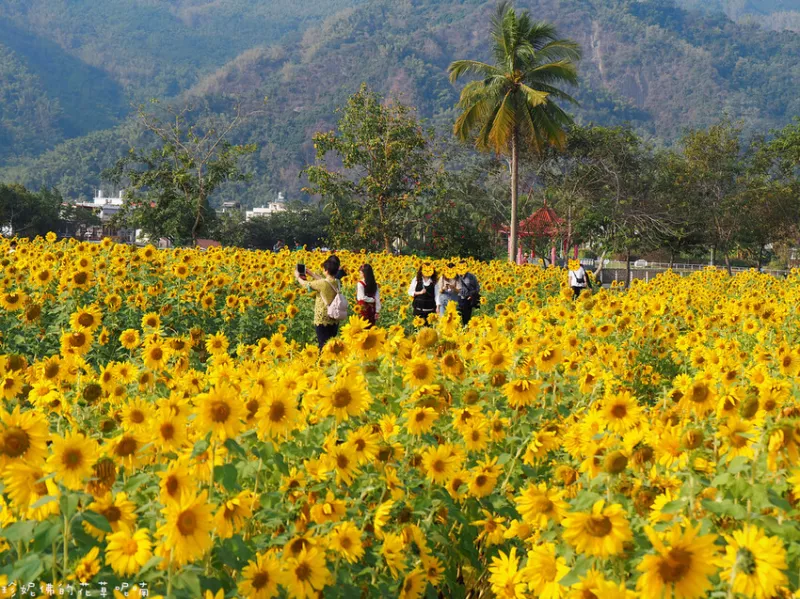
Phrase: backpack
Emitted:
{"points": [[337, 309], [471, 288]]}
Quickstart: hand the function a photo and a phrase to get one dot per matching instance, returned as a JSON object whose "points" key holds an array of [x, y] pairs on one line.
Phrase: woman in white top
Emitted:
{"points": [[424, 288], [578, 279], [368, 295]]}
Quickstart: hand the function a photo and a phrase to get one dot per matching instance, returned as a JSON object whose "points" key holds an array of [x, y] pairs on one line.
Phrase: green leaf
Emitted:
{"points": [[189, 581], [69, 505], [233, 447], [738, 464], [579, 569], [19, 531], [503, 459], [199, 447], [726, 507], [134, 482], [44, 501], [673, 507], [28, 569], [779, 501], [585, 501], [226, 475], [46, 534], [97, 520]]}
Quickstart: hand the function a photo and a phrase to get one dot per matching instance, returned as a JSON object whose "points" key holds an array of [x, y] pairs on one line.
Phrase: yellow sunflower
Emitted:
{"points": [[601, 532], [72, 459], [187, 530], [682, 565], [754, 562]]}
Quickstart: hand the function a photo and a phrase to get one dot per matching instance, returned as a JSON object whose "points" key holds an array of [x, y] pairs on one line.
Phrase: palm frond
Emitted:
{"points": [[560, 49], [533, 97], [503, 125], [460, 68]]}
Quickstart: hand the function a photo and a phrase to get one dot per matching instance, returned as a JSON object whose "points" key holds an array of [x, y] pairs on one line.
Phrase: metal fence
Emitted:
{"points": [[607, 275], [641, 266]]}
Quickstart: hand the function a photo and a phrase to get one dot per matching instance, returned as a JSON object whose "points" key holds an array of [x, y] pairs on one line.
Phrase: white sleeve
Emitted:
{"points": [[360, 292], [377, 300], [412, 287], [572, 281], [437, 292]]}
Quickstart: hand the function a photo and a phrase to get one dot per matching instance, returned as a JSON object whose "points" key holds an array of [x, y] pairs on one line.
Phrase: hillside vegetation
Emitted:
{"points": [[648, 63]]}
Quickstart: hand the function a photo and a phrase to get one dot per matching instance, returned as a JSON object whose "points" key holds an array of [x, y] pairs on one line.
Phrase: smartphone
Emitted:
{"points": [[301, 270]]}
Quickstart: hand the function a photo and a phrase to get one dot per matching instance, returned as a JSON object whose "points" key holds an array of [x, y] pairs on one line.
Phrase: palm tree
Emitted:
{"points": [[514, 100]]}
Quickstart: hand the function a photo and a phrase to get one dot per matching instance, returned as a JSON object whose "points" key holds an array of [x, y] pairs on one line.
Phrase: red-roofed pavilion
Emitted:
{"points": [[541, 226]]}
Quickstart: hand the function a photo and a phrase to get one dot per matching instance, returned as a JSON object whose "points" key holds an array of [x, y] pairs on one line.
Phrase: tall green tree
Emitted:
{"points": [[385, 169], [515, 100], [26, 213], [169, 187], [713, 179]]}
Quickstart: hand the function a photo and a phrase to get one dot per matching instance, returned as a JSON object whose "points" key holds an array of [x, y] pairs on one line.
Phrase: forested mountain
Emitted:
{"points": [[646, 62], [774, 14]]}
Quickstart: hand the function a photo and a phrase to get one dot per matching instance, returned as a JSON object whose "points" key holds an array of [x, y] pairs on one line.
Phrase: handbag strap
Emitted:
{"points": [[335, 290]]}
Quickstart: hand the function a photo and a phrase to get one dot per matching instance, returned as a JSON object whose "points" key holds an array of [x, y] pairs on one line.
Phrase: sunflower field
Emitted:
{"points": [[168, 430]]}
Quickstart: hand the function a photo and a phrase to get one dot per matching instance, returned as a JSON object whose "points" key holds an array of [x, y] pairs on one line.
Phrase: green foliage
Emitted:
{"points": [[306, 226], [26, 213], [386, 170], [170, 185]]}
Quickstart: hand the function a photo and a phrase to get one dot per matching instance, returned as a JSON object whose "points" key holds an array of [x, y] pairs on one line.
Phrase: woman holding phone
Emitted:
{"points": [[325, 287]]}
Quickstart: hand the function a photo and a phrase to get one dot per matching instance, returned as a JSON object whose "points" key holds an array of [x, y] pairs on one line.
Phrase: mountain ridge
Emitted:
{"points": [[651, 64]]}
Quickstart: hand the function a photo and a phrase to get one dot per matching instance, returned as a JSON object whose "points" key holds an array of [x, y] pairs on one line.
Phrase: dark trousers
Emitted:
{"points": [[465, 309], [325, 332], [577, 291]]}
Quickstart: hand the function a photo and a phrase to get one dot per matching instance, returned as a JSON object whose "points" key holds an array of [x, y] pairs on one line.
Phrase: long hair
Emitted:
{"points": [[370, 286]]}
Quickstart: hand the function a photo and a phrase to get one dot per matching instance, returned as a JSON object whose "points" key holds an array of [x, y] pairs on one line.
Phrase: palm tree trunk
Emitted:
{"points": [[627, 269], [512, 256]]}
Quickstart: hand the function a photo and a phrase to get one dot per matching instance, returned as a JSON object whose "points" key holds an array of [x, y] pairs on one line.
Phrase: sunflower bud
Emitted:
{"points": [[749, 407], [615, 462], [693, 439], [471, 397], [498, 379]]}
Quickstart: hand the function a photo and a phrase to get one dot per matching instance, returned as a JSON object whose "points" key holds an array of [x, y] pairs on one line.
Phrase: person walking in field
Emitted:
{"points": [[327, 288], [449, 288], [578, 279], [424, 288], [469, 294], [368, 295]]}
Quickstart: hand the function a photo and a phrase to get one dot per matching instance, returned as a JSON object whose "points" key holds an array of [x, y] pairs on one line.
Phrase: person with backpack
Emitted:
{"points": [[330, 306], [578, 279], [368, 295], [424, 288], [469, 295]]}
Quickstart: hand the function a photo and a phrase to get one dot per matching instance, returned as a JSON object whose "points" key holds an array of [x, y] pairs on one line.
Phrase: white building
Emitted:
{"points": [[104, 206], [271, 208]]}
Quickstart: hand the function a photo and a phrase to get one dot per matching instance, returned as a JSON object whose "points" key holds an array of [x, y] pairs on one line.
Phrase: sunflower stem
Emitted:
{"points": [[522, 448], [66, 546], [55, 562], [211, 471], [169, 579]]}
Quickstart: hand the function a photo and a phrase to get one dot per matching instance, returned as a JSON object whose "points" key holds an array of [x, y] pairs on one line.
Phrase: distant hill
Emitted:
{"points": [[649, 63], [773, 14]]}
